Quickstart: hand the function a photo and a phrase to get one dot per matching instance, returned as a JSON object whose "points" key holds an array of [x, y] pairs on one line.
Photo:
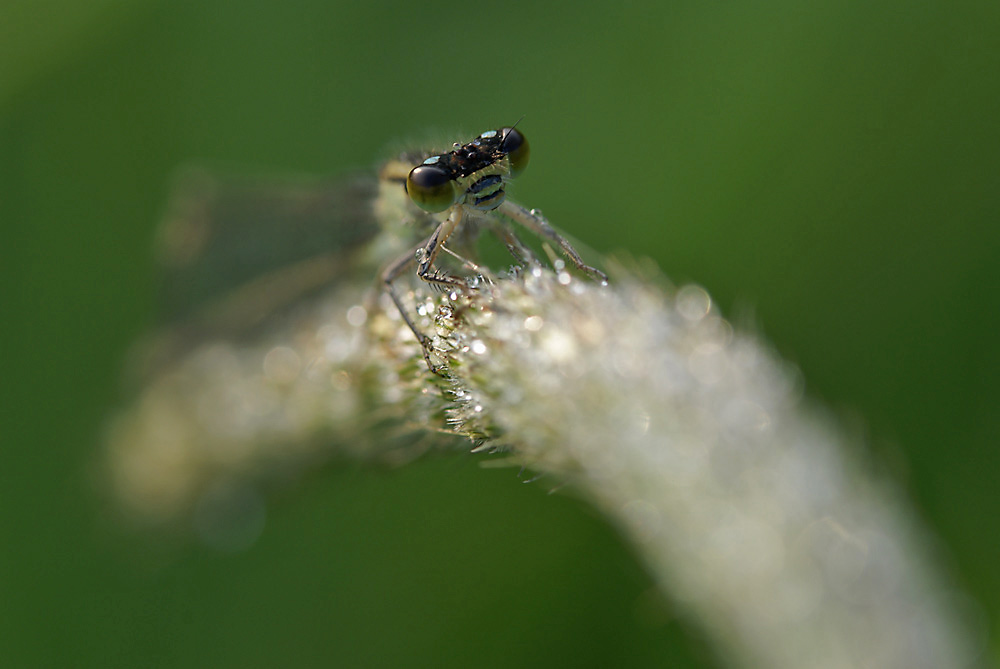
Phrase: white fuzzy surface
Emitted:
{"points": [[745, 502]]}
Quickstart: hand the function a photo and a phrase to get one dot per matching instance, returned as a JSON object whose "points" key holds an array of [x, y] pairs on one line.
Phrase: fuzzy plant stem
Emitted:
{"points": [[751, 510]]}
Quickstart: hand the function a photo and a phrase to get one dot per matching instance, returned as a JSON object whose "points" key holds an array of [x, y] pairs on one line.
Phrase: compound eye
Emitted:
{"points": [[431, 188], [516, 148]]}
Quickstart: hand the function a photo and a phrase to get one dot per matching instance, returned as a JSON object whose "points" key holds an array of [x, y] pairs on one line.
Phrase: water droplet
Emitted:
{"points": [[693, 303], [357, 315], [533, 323]]}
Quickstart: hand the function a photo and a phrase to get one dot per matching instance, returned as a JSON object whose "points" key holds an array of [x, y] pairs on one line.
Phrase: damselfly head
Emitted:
{"points": [[471, 174]]}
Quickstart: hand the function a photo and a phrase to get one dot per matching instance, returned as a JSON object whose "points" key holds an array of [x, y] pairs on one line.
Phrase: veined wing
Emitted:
{"points": [[236, 251]]}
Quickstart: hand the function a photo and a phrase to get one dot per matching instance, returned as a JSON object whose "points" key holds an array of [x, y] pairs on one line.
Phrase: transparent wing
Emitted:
{"points": [[221, 233], [235, 251]]}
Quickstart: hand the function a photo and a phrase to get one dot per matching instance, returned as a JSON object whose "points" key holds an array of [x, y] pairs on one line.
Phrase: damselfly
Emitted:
{"points": [[237, 251]]}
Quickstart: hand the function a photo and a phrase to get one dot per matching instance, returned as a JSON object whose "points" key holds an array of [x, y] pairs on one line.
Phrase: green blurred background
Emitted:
{"points": [[829, 171]]}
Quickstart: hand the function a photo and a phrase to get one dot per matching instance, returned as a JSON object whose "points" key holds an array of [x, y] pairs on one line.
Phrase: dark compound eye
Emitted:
{"points": [[517, 150], [431, 188]]}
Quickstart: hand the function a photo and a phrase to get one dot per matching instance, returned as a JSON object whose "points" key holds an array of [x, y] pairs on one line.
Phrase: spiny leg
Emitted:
{"points": [[501, 230], [423, 255], [537, 224], [466, 263], [389, 275], [427, 253], [521, 253]]}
